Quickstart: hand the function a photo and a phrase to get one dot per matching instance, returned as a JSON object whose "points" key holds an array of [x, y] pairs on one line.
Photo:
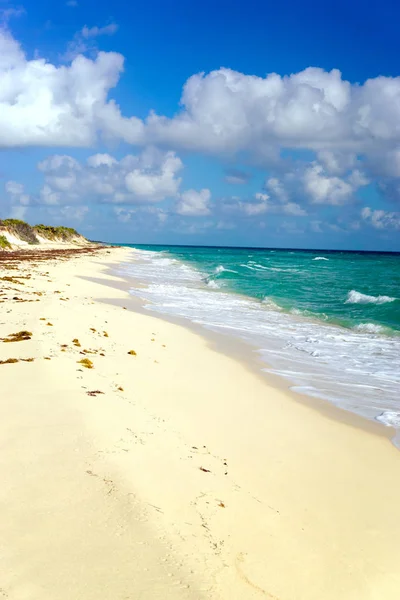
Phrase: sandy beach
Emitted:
{"points": [[168, 470]]}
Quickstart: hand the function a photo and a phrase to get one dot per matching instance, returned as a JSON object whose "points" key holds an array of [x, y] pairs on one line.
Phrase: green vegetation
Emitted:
{"points": [[52, 233], [20, 229], [29, 234], [4, 243]]}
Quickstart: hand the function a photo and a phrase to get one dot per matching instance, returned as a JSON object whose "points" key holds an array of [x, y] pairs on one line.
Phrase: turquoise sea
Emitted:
{"points": [[329, 322]]}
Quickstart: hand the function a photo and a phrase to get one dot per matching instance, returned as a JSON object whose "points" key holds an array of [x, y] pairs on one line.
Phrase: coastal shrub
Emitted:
{"points": [[20, 229], [4, 243], [53, 233]]}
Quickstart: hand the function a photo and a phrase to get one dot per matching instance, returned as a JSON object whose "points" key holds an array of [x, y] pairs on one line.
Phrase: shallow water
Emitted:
{"points": [[328, 322]]}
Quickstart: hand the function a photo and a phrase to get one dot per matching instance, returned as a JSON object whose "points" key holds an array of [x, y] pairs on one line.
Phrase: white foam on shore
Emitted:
{"points": [[357, 369]]}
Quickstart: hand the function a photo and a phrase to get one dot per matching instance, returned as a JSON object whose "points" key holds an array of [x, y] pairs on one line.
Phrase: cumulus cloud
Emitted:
{"points": [[228, 111], [260, 204], [149, 177], [45, 105], [194, 204], [380, 219], [315, 184]]}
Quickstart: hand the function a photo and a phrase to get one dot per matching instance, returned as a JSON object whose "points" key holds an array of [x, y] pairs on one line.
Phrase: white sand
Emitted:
{"points": [[104, 497]]}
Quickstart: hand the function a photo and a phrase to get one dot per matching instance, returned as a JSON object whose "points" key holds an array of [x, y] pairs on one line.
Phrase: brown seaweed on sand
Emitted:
{"points": [[9, 361], [85, 362], [18, 337]]}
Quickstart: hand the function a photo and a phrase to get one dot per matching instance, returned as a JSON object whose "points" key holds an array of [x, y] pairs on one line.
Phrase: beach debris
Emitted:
{"points": [[11, 280], [20, 336], [205, 470], [47, 358], [42, 319], [85, 362], [120, 389], [27, 359], [222, 505], [102, 354], [132, 353], [92, 329], [76, 342], [9, 361], [105, 334], [49, 324], [94, 393]]}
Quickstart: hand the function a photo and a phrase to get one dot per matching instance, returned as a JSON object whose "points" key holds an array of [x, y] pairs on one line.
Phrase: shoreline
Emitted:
{"points": [[247, 355], [175, 472]]}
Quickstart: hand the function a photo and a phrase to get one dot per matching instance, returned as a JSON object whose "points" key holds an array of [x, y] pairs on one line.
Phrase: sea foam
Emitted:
{"points": [[354, 297]]}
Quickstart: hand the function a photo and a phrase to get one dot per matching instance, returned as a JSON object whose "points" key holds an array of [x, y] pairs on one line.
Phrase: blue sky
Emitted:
{"points": [[224, 123]]}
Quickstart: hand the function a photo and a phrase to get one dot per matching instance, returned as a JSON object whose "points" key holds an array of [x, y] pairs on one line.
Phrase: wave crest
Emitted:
{"points": [[320, 258], [354, 297]]}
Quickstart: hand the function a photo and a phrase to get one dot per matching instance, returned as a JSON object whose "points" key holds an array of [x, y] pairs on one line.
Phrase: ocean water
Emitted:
{"points": [[328, 322]]}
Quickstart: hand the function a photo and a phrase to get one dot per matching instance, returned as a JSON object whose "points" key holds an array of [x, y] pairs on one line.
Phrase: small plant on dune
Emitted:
{"points": [[4, 243], [85, 362], [19, 336]]}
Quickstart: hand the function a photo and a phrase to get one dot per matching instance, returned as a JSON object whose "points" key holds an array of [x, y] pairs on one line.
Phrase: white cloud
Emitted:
{"points": [[380, 219], [147, 184], [260, 204], [227, 111], [146, 178], [90, 32], [97, 160], [322, 188], [14, 188], [45, 105], [194, 204], [84, 41], [275, 187], [74, 213]]}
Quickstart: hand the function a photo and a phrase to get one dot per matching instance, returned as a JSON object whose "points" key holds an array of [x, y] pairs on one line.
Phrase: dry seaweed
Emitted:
{"points": [[132, 353], [85, 362], [19, 336]]}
